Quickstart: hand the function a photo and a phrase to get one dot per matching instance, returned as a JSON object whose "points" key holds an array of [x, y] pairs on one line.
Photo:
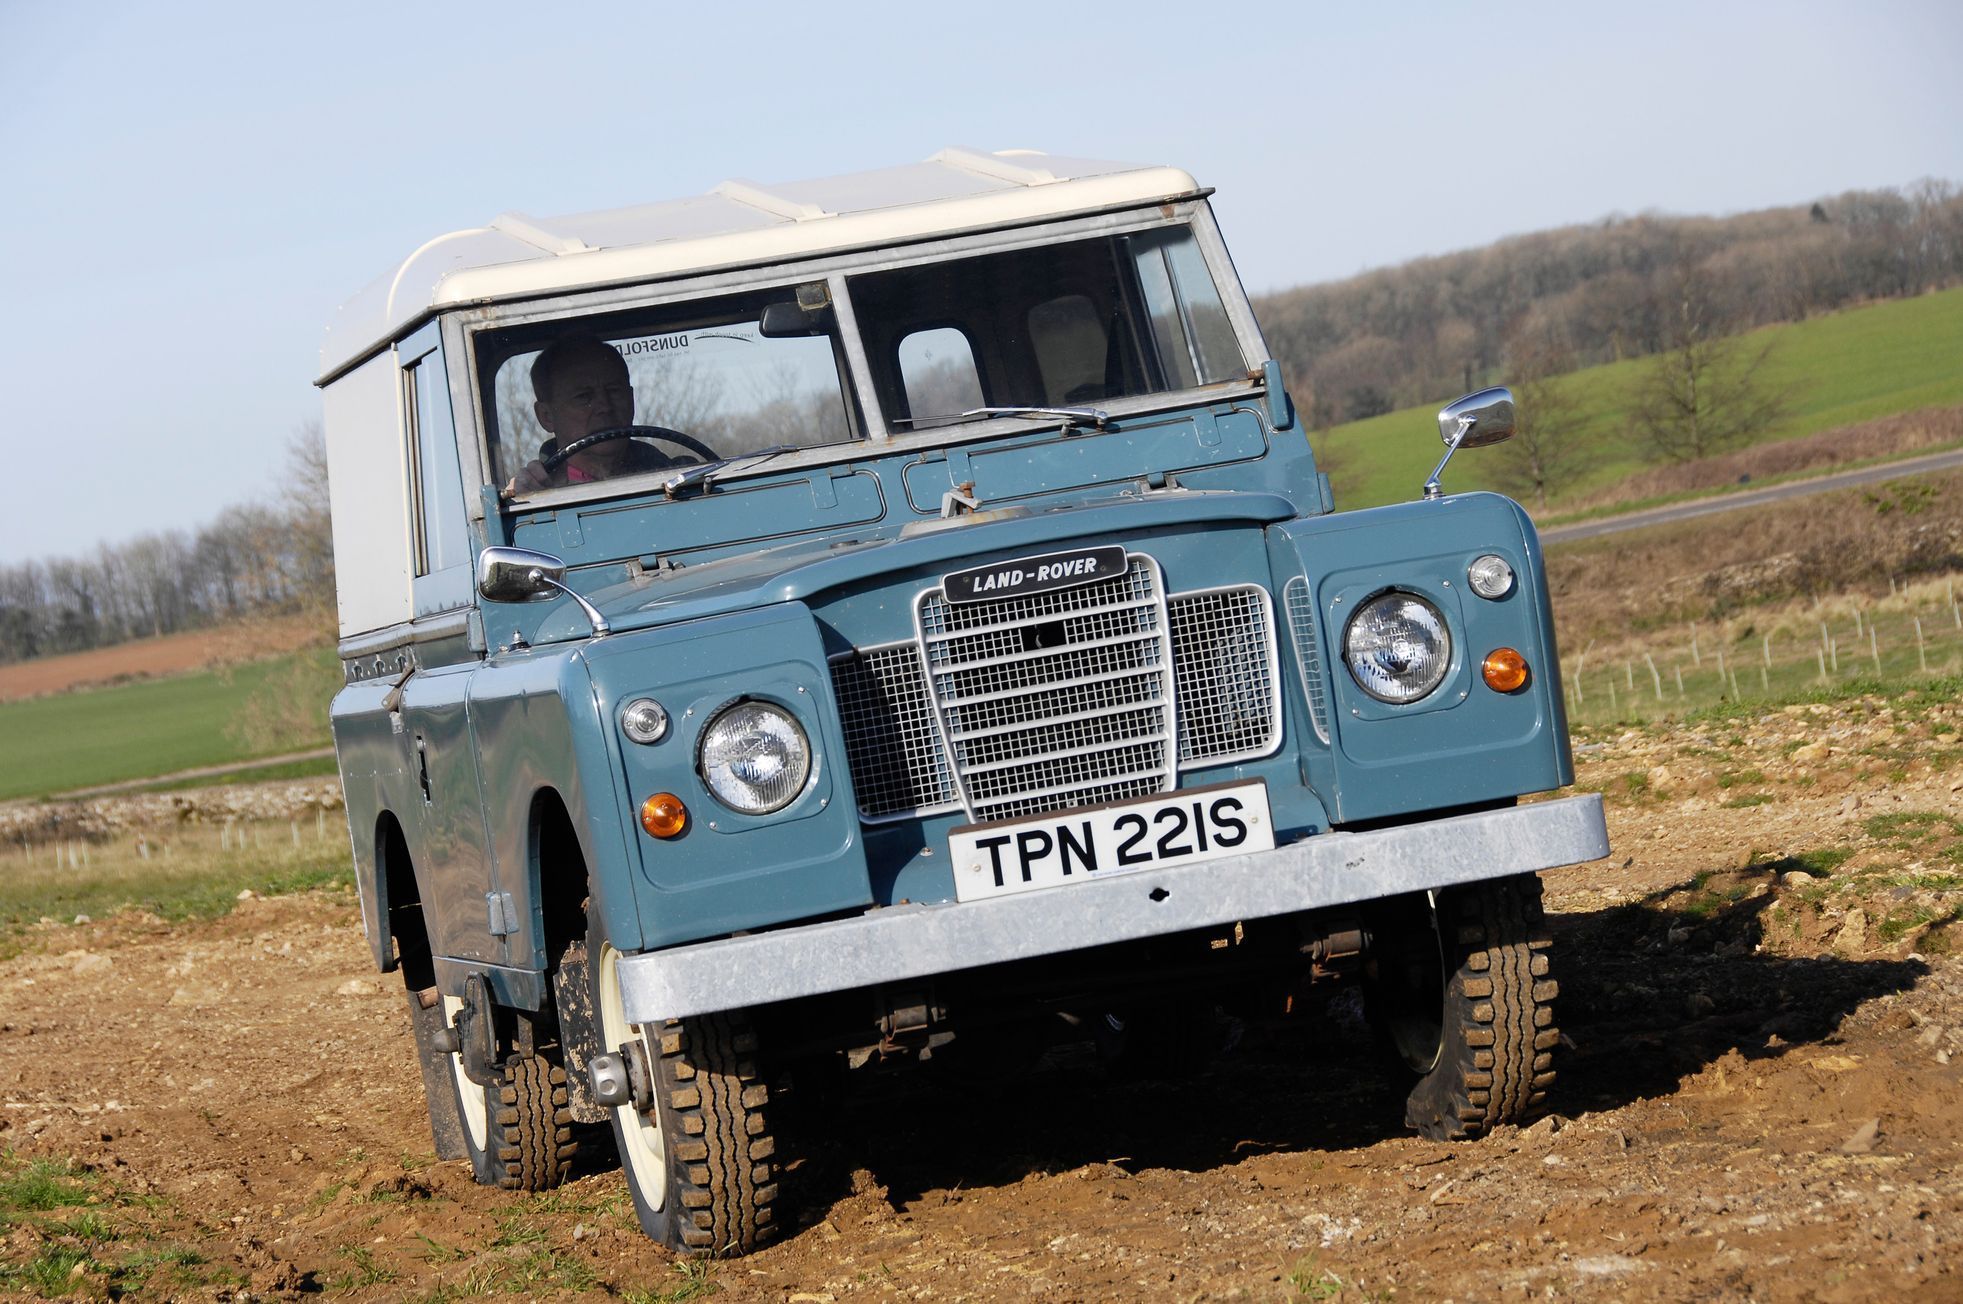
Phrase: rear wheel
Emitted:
{"points": [[517, 1133], [1459, 983], [697, 1157], [426, 1021]]}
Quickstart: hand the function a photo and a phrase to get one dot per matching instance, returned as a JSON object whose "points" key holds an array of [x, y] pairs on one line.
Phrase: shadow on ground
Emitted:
{"points": [[1650, 995]]}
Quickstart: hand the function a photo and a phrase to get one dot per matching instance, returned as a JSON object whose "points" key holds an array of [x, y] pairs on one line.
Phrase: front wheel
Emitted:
{"points": [[697, 1156], [1459, 982]]}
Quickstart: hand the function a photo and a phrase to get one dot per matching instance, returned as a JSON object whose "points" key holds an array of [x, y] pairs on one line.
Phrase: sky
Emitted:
{"points": [[187, 191]]}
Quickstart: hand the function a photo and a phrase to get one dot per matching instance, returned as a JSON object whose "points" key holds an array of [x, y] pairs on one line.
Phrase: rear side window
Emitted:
{"points": [[938, 369]]}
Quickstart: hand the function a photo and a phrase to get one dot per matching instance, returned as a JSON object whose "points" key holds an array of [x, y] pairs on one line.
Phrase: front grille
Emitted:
{"points": [[1023, 659], [892, 741], [1224, 660], [1059, 699]]}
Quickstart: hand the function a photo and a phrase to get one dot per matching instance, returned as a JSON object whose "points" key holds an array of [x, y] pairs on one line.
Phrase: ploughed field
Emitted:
{"points": [[1762, 1098]]}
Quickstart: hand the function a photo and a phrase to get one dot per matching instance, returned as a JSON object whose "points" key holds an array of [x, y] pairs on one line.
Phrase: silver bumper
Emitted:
{"points": [[913, 941]]}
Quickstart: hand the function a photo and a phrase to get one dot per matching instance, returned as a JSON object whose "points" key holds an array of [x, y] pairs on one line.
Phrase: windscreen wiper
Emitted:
{"points": [[702, 473], [1072, 416]]}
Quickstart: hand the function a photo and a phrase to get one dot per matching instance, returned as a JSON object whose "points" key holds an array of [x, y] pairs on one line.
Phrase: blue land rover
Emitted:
{"points": [[819, 624]]}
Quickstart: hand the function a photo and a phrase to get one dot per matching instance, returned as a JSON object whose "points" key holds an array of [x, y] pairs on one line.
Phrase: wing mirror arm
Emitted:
{"points": [[522, 575]]}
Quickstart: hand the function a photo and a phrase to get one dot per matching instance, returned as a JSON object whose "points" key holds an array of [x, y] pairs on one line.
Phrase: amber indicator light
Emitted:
{"points": [[663, 815], [1505, 670]]}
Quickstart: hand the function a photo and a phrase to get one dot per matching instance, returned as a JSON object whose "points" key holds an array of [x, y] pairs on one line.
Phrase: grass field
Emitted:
{"points": [[177, 872], [1852, 366], [135, 731]]}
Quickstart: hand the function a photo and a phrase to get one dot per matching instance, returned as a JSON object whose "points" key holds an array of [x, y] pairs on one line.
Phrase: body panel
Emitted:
{"points": [[368, 494]]}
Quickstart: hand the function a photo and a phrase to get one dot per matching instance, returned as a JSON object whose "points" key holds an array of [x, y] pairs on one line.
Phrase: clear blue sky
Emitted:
{"points": [[186, 191]]}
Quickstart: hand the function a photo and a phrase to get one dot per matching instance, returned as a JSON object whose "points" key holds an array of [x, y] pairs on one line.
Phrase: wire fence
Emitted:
{"points": [[1771, 655]]}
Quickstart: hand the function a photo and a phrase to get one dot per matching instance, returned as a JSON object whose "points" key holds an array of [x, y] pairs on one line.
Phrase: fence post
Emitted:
{"points": [[1765, 680], [1921, 653], [1680, 679], [1874, 649], [1695, 659], [1654, 678], [1823, 664], [1768, 648]]}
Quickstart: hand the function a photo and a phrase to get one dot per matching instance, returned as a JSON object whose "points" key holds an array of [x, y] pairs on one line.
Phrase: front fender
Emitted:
{"points": [[1464, 744]]}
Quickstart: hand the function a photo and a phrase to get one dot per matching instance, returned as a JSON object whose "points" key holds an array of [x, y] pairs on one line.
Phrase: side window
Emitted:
{"points": [[1070, 349], [442, 535], [937, 367], [1195, 342]]}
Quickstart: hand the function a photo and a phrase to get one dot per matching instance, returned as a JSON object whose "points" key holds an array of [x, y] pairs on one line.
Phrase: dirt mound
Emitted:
{"points": [[1758, 1100]]}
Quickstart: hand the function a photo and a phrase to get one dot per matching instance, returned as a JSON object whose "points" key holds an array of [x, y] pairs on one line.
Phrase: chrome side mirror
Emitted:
{"points": [[521, 575], [518, 575], [1480, 418]]}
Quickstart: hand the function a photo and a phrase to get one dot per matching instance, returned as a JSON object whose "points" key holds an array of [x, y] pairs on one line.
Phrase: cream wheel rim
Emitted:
{"points": [[470, 1097], [643, 1150]]}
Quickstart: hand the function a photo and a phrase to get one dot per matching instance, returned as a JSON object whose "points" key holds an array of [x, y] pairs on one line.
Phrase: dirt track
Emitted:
{"points": [[1759, 1102]]}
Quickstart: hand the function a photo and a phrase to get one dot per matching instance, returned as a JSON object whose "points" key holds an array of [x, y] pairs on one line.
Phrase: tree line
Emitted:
{"points": [[1524, 309], [1582, 295], [250, 560]]}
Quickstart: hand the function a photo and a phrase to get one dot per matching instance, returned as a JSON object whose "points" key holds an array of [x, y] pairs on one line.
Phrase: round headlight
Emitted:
{"points": [[754, 757], [1490, 576], [644, 721], [1397, 647]]}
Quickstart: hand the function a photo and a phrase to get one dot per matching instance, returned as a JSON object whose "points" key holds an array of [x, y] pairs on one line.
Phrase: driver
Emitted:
{"points": [[580, 386]]}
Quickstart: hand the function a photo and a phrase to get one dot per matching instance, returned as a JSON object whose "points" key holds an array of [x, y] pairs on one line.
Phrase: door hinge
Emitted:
{"points": [[503, 913]]}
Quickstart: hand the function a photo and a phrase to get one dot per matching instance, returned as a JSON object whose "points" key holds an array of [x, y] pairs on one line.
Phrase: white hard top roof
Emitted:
{"points": [[738, 223]]}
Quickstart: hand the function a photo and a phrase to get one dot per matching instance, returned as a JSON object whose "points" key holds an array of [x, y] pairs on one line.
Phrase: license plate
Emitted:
{"points": [[1180, 828]]}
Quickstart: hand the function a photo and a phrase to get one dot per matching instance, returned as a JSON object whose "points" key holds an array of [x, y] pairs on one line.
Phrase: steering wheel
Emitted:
{"points": [[690, 442]]}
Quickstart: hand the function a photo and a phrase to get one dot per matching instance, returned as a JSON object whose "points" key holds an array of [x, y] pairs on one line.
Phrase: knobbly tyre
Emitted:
{"points": [[904, 611]]}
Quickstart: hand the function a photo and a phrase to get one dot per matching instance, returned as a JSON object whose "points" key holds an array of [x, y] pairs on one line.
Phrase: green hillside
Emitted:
{"points": [[1852, 366], [135, 731]]}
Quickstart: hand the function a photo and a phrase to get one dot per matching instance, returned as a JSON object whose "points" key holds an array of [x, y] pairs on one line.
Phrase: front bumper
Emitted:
{"points": [[913, 941]]}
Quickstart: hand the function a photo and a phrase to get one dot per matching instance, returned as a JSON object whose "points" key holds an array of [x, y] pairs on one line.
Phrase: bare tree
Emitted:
{"points": [[1546, 452], [310, 530], [1705, 391]]}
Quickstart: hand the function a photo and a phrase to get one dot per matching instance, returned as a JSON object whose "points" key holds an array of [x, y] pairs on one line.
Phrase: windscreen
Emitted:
{"points": [[604, 397], [1058, 325]]}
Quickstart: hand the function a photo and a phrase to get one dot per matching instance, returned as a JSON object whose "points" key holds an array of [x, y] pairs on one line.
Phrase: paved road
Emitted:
{"points": [[1753, 497]]}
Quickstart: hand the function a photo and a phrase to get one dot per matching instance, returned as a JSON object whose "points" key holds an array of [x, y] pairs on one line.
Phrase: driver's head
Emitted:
{"points": [[579, 386]]}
